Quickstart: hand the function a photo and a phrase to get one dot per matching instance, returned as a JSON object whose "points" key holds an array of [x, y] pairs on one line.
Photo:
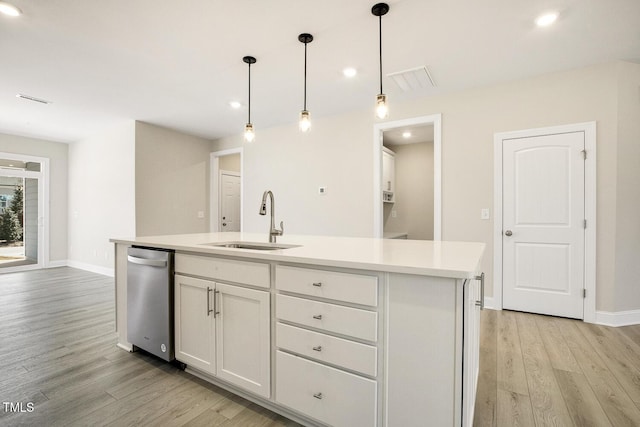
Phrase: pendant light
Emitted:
{"points": [[382, 110], [305, 119], [249, 135]]}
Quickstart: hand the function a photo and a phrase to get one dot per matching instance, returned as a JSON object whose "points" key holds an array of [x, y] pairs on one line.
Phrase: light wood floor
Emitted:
{"points": [[548, 371], [57, 349]]}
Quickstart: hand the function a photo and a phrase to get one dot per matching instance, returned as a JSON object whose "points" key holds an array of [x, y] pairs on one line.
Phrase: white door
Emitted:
{"points": [[229, 201], [243, 343], [543, 234]]}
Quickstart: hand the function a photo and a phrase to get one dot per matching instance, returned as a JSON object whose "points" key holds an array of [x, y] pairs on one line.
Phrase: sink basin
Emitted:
{"points": [[256, 246]]}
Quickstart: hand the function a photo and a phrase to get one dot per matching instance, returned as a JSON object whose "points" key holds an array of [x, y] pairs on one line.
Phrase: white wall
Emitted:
{"points": [[57, 153], [293, 165], [628, 187], [229, 163], [171, 181], [338, 153], [413, 191], [101, 196]]}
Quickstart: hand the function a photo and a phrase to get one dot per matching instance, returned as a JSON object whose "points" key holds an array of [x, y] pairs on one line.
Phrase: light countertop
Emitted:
{"points": [[422, 257]]}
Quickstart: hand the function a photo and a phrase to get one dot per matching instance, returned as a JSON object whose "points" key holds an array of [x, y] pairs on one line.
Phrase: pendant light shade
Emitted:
{"points": [[382, 109], [249, 135], [305, 118]]}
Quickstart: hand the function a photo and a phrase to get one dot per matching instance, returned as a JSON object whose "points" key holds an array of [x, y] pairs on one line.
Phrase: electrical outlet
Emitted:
{"points": [[200, 214], [394, 214], [484, 213], [322, 190]]}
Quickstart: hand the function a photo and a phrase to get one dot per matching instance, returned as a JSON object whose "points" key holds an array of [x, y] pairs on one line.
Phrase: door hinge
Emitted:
{"points": [[584, 154], [584, 293], [584, 224]]}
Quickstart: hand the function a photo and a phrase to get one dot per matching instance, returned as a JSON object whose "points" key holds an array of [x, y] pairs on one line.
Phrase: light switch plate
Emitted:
{"points": [[322, 190], [484, 213]]}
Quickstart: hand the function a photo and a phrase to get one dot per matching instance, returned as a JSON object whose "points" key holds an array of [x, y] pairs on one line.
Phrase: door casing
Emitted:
{"points": [[589, 129]]}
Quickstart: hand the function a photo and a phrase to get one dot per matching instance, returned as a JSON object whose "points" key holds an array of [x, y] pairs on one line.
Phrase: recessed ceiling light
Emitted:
{"points": [[406, 134], [235, 105], [349, 72], [546, 19], [9, 9]]}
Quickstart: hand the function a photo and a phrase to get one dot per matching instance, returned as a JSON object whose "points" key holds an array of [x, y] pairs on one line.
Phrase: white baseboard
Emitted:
{"points": [[92, 268], [605, 318], [618, 318], [56, 264]]}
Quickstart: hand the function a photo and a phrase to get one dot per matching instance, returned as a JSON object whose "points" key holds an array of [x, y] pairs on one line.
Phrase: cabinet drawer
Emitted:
{"points": [[329, 395], [337, 351], [355, 288], [250, 273], [329, 317]]}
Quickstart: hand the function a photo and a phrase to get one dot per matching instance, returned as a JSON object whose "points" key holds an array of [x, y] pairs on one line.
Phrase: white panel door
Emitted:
{"points": [[229, 202], [543, 224]]}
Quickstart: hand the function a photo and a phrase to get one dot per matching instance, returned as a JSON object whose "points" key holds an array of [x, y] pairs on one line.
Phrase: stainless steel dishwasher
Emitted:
{"points": [[150, 301]]}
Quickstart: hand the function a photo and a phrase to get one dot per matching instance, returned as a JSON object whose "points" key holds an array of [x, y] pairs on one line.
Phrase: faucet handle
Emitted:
{"points": [[281, 229]]}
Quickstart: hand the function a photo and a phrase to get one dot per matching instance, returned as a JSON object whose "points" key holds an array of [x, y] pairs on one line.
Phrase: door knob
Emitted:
{"points": [[508, 233]]}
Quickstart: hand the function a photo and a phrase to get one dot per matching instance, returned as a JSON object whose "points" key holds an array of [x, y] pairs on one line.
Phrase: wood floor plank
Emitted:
{"points": [[632, 332], [179, 415], [510, 365], [582, 403], [547, 403], [485, 414], [556, 347], [614, 356], [514, 410], [618, 406]]}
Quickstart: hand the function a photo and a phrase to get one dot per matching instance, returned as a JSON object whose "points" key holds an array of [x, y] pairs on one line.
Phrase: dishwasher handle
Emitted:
{"points": [[149, 262]]}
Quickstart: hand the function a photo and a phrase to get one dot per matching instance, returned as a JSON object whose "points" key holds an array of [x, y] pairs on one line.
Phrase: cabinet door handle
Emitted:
{"points": [[481, 302], [318, 396], [215, 303], [318, 348], [388, 185], [209, 301], [318, 316], [317, 284]]}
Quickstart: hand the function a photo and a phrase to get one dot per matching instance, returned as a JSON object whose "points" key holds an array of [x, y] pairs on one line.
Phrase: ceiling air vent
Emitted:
{"points": [[31, 98], [413, 79]]}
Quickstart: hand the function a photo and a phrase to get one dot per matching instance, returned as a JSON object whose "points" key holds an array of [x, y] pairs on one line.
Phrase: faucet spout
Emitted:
{"points": [[273, 231]]}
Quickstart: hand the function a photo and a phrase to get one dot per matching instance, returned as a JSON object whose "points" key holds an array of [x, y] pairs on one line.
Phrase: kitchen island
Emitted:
{"points": [[327, 330]]}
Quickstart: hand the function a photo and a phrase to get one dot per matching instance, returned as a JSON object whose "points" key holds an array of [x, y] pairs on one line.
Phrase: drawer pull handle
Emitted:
{"points": [[317, 284], [318, 348], [318, 396], [318, 317]]}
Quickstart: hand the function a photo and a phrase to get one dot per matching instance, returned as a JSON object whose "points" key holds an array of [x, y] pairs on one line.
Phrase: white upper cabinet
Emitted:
{"points": [[388, 175]]}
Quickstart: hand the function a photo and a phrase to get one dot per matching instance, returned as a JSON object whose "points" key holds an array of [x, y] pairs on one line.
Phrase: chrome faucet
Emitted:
{"points": [[273, 231]]}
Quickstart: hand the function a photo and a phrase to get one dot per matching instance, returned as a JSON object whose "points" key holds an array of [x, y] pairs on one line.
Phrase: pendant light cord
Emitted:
{"points": [[249, 120], [380, 32], [305, 76]]}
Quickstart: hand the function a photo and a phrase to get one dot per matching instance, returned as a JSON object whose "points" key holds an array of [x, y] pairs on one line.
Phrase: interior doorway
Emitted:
{"points": [[544, 226], [23, 212], [400, 204], [226, 190]]}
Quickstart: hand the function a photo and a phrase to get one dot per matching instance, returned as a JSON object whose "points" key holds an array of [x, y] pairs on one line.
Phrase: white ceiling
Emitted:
{"points": [[178, 63], [419, 133]]}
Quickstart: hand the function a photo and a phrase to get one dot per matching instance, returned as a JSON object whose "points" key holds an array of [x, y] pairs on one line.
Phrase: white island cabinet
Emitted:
{"points": [[330, 331]]}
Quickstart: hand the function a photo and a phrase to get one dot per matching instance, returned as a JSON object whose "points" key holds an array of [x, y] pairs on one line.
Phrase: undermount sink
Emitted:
{"points": [[258, 246]]}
